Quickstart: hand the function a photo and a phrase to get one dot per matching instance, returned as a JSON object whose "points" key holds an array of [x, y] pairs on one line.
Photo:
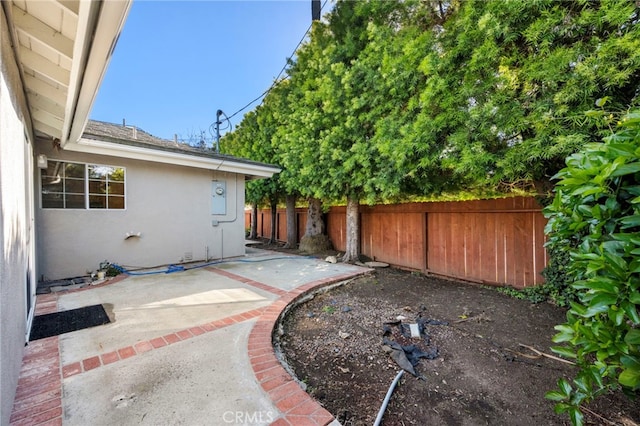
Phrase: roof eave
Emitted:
{"points": [[99, 147], [100, 26]]}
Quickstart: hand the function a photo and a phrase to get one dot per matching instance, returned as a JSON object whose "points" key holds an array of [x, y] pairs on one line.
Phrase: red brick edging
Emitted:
{"points": [[139, 348], [296, 406], [38, 399]]}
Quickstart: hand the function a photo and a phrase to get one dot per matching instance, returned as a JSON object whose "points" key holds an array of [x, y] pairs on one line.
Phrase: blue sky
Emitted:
{"points": [[177, 62]]}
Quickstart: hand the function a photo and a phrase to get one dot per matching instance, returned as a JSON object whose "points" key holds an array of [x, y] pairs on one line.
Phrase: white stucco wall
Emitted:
{"points": [[16, 213], [170, 206]]}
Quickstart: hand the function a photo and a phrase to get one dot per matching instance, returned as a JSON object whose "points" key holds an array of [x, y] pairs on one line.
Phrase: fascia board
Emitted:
{"points": [[99, 26], [92, 146]]}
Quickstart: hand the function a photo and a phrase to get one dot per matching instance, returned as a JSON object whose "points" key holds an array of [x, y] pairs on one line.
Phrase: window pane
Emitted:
{"points": [[117, 174], [54, 170], [116, 202], [116, 188], [97, 187], [75, 186], [74, 170], [52, 201], [97, 202], [74, 201], [99, 172], [48, 186]]}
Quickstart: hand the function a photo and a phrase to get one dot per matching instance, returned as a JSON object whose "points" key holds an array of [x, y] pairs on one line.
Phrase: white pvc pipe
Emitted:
{"points": [[387, 398]]}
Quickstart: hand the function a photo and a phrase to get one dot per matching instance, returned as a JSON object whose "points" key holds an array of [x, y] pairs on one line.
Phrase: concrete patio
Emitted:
{"points": [[190, 347]]}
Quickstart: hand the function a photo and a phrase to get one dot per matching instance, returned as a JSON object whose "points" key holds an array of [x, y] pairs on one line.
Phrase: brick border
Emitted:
{"points": [[38, 399], [275, 290], [106, 358], [296, 406]]}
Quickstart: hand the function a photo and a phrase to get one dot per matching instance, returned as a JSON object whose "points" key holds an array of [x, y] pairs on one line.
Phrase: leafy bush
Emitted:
{"points": [[595, 217], [558, 280], [557, 287]]}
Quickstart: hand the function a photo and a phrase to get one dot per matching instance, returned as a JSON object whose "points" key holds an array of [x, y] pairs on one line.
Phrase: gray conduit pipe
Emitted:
{"points": [[387, 398]]}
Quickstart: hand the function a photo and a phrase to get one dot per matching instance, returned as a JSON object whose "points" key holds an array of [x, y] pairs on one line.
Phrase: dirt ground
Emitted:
{"points": [[480, 372]]}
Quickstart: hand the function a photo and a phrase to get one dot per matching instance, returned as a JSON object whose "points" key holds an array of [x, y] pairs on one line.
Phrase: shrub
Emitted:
{"points": [[535, 294], [558, 280], [595, 218], [557, 287]]}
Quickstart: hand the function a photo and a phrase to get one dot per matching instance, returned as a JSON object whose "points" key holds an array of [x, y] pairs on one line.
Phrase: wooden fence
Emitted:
{"points": [[489, 241]]}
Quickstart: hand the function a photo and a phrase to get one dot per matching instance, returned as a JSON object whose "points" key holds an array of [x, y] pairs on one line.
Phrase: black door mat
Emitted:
{"points": [[66, 321]]}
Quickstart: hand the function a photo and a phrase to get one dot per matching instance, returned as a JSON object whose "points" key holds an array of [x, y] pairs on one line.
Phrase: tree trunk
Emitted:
{"points": [[254, 222], [292, 223], [315, 240], [315, 224], [352, 253], [274, 222]]}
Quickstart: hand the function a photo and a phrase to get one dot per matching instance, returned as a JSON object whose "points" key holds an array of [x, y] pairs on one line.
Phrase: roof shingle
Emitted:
{"points": [[134, 136]]}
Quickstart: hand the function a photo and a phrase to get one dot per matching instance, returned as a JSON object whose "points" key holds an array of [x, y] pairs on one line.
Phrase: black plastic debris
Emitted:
{"points": [[387, 327], [399, 356], [408, 356], [414, 354], [405, 330]]}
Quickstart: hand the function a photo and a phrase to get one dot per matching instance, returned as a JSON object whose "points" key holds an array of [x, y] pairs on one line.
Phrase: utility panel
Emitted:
{"points": [[218, 197]]}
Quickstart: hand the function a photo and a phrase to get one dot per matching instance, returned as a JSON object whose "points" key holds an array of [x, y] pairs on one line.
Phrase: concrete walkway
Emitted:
{"points": [[191, 347]]}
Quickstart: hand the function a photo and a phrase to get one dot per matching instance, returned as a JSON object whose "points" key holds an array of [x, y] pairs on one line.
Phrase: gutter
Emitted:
{"points": [[92, 146]]}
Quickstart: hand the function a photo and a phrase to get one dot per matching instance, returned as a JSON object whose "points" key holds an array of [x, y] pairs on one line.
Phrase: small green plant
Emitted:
{"points": [[536, 294], [327, 309], [112, 271], [595, 218]]}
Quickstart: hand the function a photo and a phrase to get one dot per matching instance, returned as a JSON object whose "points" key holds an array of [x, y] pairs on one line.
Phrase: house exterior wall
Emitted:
{"points": [[170, 206], [16, 213]]}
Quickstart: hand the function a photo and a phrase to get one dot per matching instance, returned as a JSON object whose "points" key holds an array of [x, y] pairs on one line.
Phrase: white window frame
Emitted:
{"points": [[87, 194]]}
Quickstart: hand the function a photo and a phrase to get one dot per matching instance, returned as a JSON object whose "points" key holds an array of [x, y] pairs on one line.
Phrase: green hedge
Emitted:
{"points": [[595, 219]]}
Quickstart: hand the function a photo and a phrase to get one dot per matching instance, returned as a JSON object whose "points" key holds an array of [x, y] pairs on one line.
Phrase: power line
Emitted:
{"points": [[276, 81]]}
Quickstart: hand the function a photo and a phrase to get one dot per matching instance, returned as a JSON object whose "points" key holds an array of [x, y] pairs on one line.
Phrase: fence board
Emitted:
{"points": [[494, 241], [336, 221], [266, 224], [281, 225], [302, 222]]}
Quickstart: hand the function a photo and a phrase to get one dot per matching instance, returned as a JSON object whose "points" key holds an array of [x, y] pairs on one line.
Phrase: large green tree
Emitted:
{"points": [[394, 99], [342, 92], [252, 139], [302, 123], [511, 83]]}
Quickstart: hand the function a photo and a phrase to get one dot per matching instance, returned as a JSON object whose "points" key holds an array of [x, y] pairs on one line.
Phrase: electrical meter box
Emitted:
{"points": [[218, 198]]}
